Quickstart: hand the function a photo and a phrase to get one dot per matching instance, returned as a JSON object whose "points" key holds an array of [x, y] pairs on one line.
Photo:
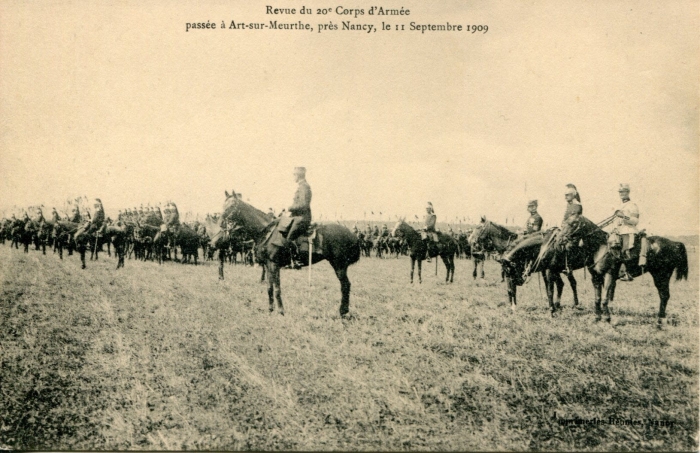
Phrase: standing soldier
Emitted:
{"points": [[300, 211]]}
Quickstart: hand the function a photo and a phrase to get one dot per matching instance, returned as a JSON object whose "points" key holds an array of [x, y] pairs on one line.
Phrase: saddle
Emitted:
{"points": [[278, 232], [429, 235]]}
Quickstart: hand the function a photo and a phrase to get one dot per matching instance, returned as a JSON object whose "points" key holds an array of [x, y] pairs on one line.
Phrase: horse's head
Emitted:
{"points": [[575, 229], [399, 227], [476, 239], [246, 217]]}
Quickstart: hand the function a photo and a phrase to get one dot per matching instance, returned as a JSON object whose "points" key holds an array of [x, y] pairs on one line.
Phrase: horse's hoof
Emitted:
{"points": [[83, 266]]}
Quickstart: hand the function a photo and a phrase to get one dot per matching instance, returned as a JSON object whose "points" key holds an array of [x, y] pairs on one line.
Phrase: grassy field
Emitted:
{"points": [[168, 357]]}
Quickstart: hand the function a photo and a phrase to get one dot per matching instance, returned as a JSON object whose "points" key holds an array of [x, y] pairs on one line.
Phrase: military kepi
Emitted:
{"points": [[624, 188]]}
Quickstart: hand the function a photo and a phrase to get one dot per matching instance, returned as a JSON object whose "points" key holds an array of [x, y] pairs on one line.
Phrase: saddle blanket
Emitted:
{"points": [[277, 238]]}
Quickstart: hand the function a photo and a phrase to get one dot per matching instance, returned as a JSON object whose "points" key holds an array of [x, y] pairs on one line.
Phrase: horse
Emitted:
{"points": [[338, 245], [419, 250], [463, 246], [604, 259], [489, 237], [120, 236], [523, 261], [144, 235]]}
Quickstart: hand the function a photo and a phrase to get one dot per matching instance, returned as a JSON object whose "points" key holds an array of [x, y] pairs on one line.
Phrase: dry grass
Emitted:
{"points": [[168, 357]]}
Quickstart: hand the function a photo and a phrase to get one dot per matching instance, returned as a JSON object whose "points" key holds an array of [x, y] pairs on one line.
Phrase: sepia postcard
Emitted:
{"points": [[502, 198]]}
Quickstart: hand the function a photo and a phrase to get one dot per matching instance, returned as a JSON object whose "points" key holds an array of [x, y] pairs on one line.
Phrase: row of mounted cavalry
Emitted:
{"points": [[245, 231]]}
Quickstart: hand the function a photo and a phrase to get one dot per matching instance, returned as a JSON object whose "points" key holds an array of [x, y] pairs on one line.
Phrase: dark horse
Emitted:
{"points": [[338, 245], [523, 260], [604, 260], [488, 238], [419, 250]]}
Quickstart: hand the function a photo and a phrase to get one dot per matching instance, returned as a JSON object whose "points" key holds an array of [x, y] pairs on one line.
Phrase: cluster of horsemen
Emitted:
{"points": [[620, 253]]}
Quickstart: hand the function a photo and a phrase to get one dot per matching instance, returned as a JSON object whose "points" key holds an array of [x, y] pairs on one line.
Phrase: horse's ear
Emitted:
{"points": [[226, 192], [483, 219]]}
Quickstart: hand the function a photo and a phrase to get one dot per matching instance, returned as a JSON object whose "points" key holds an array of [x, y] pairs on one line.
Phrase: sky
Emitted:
{"points": [[116, 100]]}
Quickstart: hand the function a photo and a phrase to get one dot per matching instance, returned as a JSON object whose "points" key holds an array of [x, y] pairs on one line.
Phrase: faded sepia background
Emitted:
{"points": [[116, 100]]}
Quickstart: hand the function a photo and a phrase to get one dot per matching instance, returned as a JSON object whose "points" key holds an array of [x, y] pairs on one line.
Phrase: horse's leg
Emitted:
{"points": [[413, 264], [452, 266], [560, 288], [476, 264], [512, 289], [572, 283], [446, 261], [342, 274], [262, 277], [420, 277], [549, 286], [661, 281], [608, 285], [278, 287], [270, 286], [81, 249]]}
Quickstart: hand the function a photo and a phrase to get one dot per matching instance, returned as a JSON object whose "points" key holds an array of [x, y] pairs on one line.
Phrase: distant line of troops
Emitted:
{"points": [[624, 220]]}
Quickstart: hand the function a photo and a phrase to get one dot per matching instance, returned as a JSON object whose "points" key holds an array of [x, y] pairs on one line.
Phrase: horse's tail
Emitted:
{"points": [[682, 263]]}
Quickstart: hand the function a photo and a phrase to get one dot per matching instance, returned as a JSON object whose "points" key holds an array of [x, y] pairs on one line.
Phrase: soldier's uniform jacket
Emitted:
{"points": [[385, 232], [430, 220], [301, 206], [629, 225], [573, 210], [534, 224], [98, 219]]}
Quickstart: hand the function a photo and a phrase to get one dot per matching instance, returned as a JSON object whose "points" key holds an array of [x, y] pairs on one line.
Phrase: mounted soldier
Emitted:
{"points": [[54, 215], [385, 232], [632, 244], [529, 238], [534, 222], [300, 214], [429, 232], [574, 210], [95, 224]]}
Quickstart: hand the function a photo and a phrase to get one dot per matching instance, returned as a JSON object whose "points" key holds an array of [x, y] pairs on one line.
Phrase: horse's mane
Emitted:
{"points": [[503, 229], [239, 210]]}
